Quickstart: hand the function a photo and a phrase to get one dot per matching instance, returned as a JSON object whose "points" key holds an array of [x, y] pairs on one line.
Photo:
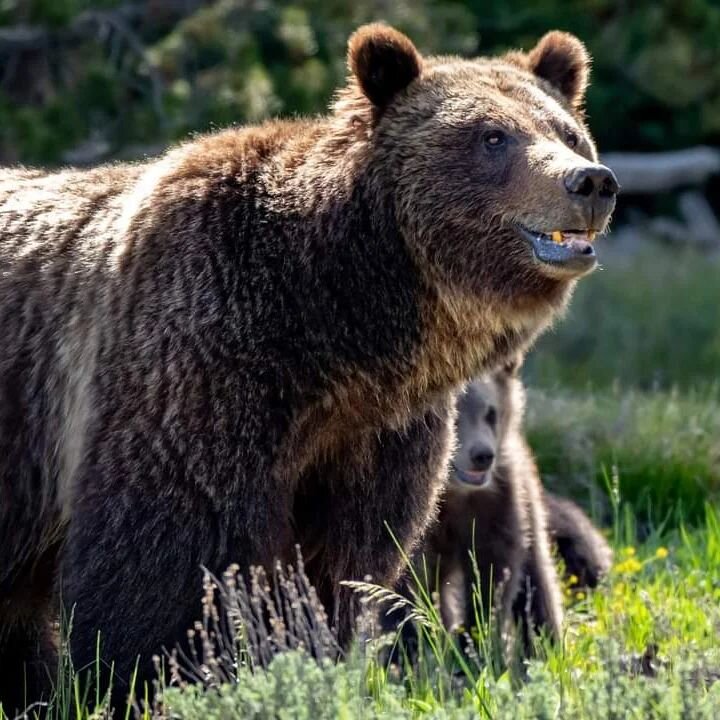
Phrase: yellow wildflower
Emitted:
{"points": [[629, 566], [580, 596], [661, 553], [629, 551]]}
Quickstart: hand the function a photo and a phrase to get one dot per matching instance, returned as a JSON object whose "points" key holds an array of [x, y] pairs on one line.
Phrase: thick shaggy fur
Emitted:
{"points": [[491, 547], [253, 342]]}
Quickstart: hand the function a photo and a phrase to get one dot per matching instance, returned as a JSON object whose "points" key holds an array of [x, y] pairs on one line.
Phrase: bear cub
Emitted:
{"points": [[496, 509]]}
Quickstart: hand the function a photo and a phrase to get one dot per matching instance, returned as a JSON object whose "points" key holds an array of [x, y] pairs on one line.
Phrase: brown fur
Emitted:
{"points": [[498, 529], [563, 61], [253, 341], [383, 61], [586, 554], [507, 523]]}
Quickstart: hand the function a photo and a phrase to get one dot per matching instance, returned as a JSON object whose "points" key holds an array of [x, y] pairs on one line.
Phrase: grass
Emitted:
{"points": [[628, 385], [651, 321], [663, 448], [644, 645]]}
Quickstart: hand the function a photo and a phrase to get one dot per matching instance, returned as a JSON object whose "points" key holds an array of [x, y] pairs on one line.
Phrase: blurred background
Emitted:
{"points": [[624, 393]]}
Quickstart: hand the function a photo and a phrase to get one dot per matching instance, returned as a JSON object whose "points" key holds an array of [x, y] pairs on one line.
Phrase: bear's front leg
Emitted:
{"points": [[138, 539], [381, 496]]}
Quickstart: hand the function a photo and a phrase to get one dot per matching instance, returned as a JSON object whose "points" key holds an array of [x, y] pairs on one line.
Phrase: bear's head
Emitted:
{"points": [[487, 410], [495, 178]]}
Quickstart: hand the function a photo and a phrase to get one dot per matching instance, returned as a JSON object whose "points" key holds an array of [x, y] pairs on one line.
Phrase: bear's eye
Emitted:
{"points": [[494, 138], [491, 417], [571, 139]]}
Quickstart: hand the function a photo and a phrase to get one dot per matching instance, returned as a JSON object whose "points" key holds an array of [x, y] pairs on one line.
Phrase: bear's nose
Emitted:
{"points": [[592, 181], [482, 457], [592, 189]]}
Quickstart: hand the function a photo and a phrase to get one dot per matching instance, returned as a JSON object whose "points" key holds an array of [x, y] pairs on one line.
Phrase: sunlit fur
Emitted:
{"points": [[252, 342], [490, 550]]}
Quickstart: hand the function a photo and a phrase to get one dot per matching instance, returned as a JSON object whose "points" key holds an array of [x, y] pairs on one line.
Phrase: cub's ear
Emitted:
{"points": [[562, 60], [383, 60]]}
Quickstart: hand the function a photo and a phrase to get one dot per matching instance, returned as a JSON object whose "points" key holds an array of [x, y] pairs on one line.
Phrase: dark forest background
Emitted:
{"points": [[84, 80]]}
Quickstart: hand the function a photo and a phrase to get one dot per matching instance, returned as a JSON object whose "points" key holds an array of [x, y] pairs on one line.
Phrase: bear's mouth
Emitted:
{"points": [[570, 250], [476, 478]]}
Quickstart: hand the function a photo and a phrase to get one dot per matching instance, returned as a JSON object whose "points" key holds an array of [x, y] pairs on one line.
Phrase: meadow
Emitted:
{"points": [[623, 395], [644, 646], [624, 416]]}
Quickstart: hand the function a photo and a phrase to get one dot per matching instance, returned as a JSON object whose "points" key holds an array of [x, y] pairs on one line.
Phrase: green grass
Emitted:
{"points": [[644, 645], [663, 447], [649, 321], [628, 385]]}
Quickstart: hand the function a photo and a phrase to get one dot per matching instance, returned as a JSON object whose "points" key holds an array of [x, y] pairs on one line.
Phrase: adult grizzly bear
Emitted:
{"points": [[496, 508], [252, 341]]}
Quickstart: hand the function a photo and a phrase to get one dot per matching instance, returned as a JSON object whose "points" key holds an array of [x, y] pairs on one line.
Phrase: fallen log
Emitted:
{"points": [[645, 173], [697, 224]]}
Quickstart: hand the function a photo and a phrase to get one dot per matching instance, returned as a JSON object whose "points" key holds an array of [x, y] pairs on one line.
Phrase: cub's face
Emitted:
{"points": [[496, 182], [478, 432], [486, 412]]}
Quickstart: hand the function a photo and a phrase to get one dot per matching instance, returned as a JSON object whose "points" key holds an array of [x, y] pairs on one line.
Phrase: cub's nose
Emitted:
{"points": [[482, 457], [594, 187]]}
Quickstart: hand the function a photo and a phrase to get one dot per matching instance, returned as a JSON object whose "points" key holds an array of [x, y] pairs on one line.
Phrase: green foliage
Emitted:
{"points": [[642, 646], [293, 686], [51, 13], [606, 694], [158, 76], [656, 82]]}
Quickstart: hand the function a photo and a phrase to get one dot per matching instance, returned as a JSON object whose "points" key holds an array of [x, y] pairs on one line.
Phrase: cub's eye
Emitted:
{"points": [[491, 417], [494, 138], [571, 139]]}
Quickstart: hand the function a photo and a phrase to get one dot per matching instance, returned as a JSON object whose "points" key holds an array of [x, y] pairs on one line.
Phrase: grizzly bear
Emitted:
{"points": [[490, 549], [253, 341]]}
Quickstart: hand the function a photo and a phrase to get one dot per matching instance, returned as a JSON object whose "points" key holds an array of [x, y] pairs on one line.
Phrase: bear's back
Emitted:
{"points": [[95, 265]]}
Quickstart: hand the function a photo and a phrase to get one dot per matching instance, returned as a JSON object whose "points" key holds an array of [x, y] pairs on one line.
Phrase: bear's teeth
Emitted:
{"points": [[559, 237]]}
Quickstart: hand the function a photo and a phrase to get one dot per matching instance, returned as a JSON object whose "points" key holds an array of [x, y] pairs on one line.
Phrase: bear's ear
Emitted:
{"points": [[383, 60], [563, 61]]}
